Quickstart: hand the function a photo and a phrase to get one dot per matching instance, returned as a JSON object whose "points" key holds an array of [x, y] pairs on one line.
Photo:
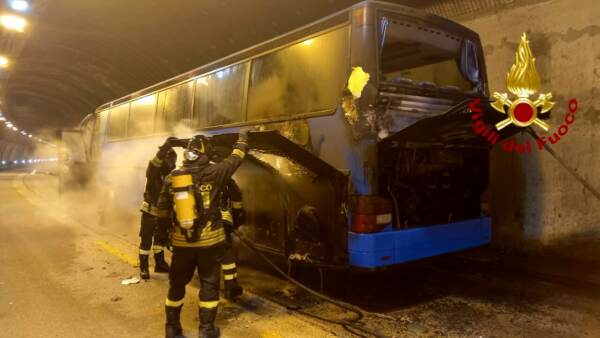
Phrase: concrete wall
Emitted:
{"points": [[538, 205]]}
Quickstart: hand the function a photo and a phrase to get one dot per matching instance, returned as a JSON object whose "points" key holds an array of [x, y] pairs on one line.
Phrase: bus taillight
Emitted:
{"points": [[370, 213]]}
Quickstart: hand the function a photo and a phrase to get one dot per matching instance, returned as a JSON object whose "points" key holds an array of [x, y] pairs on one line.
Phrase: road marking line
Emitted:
{"points": [[19, 186], [270, 334], [117, 253]]}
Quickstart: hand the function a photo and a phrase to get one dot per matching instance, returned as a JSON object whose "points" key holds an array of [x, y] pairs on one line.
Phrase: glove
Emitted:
{"points": [[180, 142], [168, 144]]}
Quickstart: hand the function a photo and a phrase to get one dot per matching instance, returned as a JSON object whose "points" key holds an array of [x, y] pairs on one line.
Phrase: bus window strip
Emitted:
{"points": [[189, 76], [315, 114], [246, 88], [117, 102]]}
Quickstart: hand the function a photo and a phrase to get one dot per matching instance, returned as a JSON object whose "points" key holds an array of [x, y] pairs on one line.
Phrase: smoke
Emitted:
{"points": [[109, 191]]}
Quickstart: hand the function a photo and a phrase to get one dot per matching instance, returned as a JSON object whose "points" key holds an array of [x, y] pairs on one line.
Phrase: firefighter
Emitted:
{"points": [[232, 213], [198, 236], [152, 237]]}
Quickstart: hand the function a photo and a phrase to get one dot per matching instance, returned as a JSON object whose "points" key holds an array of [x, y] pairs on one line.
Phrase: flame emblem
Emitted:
{"points": [[523, 81]]}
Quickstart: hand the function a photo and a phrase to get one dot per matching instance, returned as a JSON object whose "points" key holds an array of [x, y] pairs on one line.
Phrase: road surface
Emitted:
{"points": [[61, 277]]}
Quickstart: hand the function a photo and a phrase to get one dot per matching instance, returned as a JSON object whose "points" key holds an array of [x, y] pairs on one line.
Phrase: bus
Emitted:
{"points": [[365, 159]]}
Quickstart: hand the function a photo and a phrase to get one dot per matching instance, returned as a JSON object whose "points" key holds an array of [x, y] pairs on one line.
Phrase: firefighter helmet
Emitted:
{"points": [[197, 146]]}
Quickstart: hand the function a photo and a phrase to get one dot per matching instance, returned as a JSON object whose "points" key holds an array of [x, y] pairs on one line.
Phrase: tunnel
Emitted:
{"points": [[339, 168]]}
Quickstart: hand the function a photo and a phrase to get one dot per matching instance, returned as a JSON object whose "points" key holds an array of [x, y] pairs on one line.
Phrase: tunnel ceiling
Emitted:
{"points": [[79, 54]]}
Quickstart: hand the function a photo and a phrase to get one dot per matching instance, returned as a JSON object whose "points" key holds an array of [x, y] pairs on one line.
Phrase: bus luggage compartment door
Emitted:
{"points": [[435, 172], [293, 199]]}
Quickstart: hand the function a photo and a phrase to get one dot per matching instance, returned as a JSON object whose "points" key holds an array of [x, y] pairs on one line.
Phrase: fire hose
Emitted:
{"points": [[349, 325], [566, 166]]}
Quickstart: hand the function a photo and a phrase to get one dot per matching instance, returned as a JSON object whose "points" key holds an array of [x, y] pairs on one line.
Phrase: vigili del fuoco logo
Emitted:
{"points": [[523, 82]]}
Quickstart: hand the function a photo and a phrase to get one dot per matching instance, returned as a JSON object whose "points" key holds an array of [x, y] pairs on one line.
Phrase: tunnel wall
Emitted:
{"points": [[10, 151], [537, 205]]}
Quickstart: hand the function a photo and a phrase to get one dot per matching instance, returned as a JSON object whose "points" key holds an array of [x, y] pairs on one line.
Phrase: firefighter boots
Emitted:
{"points": [[144, 271], [232, 289], [160, 265], [173, 326], [207, 323]]}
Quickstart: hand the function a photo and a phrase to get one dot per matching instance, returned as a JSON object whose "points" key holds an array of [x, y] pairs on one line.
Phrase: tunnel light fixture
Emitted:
{"points": [[203, 81], [13, 22], [10, 125], [4, 61], [147, 100], [308, 42], [19, 5], [3, 162]]}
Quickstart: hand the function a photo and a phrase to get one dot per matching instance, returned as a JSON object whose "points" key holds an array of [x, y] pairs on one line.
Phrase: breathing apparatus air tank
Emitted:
{"points": [[184, 199]]}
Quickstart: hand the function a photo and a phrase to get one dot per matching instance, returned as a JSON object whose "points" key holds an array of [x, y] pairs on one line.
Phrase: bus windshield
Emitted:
{"points": [[414, 53]]}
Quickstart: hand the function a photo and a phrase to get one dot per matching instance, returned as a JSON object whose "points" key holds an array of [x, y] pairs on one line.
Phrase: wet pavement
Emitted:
{"points": [[60, 277]]}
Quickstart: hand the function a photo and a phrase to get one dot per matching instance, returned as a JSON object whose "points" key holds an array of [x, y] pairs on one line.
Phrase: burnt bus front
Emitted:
{"points": [[431, 169]]}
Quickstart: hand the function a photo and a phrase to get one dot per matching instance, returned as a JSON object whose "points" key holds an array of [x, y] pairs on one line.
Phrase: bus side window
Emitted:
{"points": [[141, 116], [219, 96], [175, 107], [117, 122], [303, 78]]}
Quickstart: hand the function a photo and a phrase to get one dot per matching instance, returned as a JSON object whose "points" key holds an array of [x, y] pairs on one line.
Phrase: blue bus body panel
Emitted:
{"points": [[399, 246]]}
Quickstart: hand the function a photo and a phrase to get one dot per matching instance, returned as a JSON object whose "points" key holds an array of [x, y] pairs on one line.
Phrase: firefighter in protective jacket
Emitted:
{"points": [[158, 168], [233, 216], [189, 200], [232, 213]]}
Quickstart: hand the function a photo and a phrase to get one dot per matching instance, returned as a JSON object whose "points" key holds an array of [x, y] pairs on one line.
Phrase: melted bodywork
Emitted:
{"points": [[294, 200]]}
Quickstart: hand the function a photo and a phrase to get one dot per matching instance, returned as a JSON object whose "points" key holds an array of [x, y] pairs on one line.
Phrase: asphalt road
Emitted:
{"points": [[60, 276]]}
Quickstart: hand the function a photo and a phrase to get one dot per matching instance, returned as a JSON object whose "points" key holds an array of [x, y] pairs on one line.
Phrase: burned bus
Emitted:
{"points": [[366, 157]]}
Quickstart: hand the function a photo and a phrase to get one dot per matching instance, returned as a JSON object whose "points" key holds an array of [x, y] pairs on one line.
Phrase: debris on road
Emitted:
{"points": [[116, 299], [130, 280], [417, 328]]}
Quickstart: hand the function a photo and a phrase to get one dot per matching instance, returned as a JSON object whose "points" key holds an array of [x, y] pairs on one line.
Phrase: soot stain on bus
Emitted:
{"points": [[335, 179]]}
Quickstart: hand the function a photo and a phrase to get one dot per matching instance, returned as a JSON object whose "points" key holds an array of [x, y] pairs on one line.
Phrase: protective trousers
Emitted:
{"points": [[228, 264], [183, 264], [150, 229]]}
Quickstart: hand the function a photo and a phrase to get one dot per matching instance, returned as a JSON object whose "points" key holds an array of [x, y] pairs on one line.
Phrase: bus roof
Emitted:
{"points": [[337, 18]]}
